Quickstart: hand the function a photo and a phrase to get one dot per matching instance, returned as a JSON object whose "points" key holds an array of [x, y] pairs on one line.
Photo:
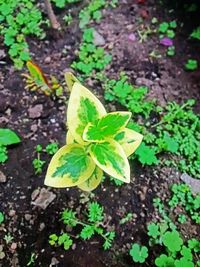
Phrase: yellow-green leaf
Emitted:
{"points": [[83, 107], [129, 140], [36, 73], [69, 138], [111, 158], [94, 180], [107, 126], [70, 166], [70, 80]]}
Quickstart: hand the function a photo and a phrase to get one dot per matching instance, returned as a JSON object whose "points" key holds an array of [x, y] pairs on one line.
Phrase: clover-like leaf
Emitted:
{"points": [[172, 241], [186, 253], [129, 140], [194, 244], [111, 158], [146, 154], [139, 253], [183, 262], [83, 108], [93, 181], [70, 166], [106, 127], [153, 230], [164, 261]]}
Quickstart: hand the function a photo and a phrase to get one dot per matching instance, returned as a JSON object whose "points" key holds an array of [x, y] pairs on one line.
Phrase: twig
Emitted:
{"points": [[53, 20]]}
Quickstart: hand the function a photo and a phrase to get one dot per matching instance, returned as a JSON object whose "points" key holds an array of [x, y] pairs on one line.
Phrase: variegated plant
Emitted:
{"points": [[97, 141]]}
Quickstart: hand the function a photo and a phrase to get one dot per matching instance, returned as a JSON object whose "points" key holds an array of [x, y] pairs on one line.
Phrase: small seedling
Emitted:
{"points": [[63, 239], [144, 33], [38, 164], [171, 51], [196, 34], [182, 218], [155, 54], [167, 29], [32, 259], [154, 20], [127, 218], [191, 64], [67, 19], [51, 148], [8, 238]]}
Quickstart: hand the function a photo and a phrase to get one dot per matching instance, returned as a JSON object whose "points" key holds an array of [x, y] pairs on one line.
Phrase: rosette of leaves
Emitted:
{"points": [[97, 141]]}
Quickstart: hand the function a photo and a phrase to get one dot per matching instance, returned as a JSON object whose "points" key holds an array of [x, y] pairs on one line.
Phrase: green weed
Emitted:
{"points": [[38, 164], [91, 12], [196, 33], [19, 18], [167, 29], [191, 64], [182, 196], [175, 133], [90, 226], [90, 57]]}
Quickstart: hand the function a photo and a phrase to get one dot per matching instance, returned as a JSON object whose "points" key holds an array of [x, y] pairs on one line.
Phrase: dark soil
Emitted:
{"points": [[167, 80]]}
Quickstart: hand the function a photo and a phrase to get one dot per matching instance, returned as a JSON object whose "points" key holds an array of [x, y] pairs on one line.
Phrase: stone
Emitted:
{"points": [[132, 37], [2, 54], [13, 246], [41, 227], [143, 81], [34, 128], [35, 112], [54, 261], [44, 198], [35, 193], [2, 255], [12, 213], [2, 177], [98, 39], [192, 182], [47, 60], [27, 217]]}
